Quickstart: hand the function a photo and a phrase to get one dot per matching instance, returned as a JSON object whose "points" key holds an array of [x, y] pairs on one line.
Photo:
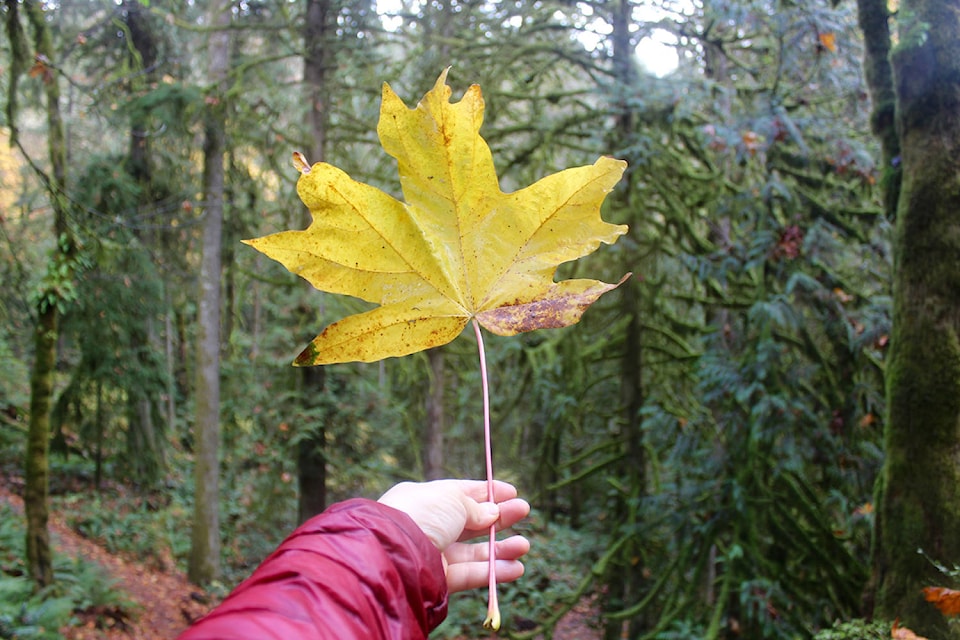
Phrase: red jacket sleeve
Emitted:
{"points": [[360, 570]]}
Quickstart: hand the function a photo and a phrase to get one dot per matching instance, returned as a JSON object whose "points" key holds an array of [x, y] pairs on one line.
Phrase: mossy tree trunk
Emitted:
{"points": [[919, 506], [204, 564], [145, 441], [625, 582], [874, 19], [57, 288], [37, 468]]}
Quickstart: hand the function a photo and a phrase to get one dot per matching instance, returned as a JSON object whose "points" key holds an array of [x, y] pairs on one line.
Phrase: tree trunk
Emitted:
{"points": [[436, 419], [547, 436], [627, 585], [874, 19], [316, 38], [36, 492], [168, 336], [143, 41], [37, 468], [98, 442], [919, 507], [311, 449], [204, 565], [145, 448], [624, 582]]}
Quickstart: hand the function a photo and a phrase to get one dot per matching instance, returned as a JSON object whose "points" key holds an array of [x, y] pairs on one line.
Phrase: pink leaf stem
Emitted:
{"points": [[493, 607]]}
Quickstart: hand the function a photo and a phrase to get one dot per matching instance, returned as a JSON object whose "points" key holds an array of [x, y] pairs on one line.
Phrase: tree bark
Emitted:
{"points": [[874, 19], [37, 468], [436, 419], [204, 565], [316, 34], [311, 449], [919, 507], [145, 444], [625, 582], [36, 492]]}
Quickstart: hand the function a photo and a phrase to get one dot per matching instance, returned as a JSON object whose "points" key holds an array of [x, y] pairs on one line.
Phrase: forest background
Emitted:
{"points": [[733, 444]]}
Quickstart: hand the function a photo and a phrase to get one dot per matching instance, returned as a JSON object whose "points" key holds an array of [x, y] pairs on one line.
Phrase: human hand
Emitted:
{"points": [[452, 511]]}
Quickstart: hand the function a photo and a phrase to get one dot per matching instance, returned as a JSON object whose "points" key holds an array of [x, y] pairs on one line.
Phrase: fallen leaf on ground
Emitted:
{"points": [[903, 633], [947, 600]]}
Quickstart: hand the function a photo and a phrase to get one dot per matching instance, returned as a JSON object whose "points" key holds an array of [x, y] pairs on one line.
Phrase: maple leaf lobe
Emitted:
{"points": [[560, 308]]}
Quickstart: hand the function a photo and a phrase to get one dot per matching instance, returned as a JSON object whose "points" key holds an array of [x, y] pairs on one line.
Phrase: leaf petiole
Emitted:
{"points": [[493, 607]]}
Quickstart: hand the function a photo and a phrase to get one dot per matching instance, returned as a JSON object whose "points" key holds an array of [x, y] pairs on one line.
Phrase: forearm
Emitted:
{"points": [[359, 570]]}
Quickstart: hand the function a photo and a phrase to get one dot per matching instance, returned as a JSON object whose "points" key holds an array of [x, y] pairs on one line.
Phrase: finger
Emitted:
{"points": [[511, 512], [477, 489], [473, 575], [510, 548], [479, 515]]}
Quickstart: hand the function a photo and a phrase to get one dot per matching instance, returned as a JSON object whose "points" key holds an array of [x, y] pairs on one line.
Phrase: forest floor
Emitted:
{"points": [[165, 602]]}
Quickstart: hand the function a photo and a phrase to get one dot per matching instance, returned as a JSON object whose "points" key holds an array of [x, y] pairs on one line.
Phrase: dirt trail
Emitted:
{"points": [[166, 600]]}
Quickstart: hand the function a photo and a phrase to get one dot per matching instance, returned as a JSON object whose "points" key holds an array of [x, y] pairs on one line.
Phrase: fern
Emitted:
{"points": [[855, 630]]}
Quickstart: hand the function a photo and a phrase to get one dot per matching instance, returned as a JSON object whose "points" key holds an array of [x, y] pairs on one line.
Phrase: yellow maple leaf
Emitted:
{"points": [[458, 248]]}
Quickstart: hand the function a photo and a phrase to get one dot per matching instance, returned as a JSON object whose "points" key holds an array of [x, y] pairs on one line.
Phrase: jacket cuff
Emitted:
{"points": [[415, 557]]}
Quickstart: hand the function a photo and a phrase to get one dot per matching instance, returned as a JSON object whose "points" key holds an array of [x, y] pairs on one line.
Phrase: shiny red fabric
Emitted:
{"points": [[359, 570]]}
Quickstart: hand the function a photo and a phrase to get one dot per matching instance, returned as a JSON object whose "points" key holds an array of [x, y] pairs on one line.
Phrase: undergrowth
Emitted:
{"points": [[558, 561], [148, 526], [258, 508], [81, 592], [856, 630], [128, 525]]}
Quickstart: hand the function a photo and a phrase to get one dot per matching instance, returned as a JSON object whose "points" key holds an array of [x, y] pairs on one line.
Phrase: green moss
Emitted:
{"points": [[920, 506]]}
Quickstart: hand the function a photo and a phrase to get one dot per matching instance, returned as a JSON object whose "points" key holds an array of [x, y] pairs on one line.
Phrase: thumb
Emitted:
{"points": [[481, 515]]}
